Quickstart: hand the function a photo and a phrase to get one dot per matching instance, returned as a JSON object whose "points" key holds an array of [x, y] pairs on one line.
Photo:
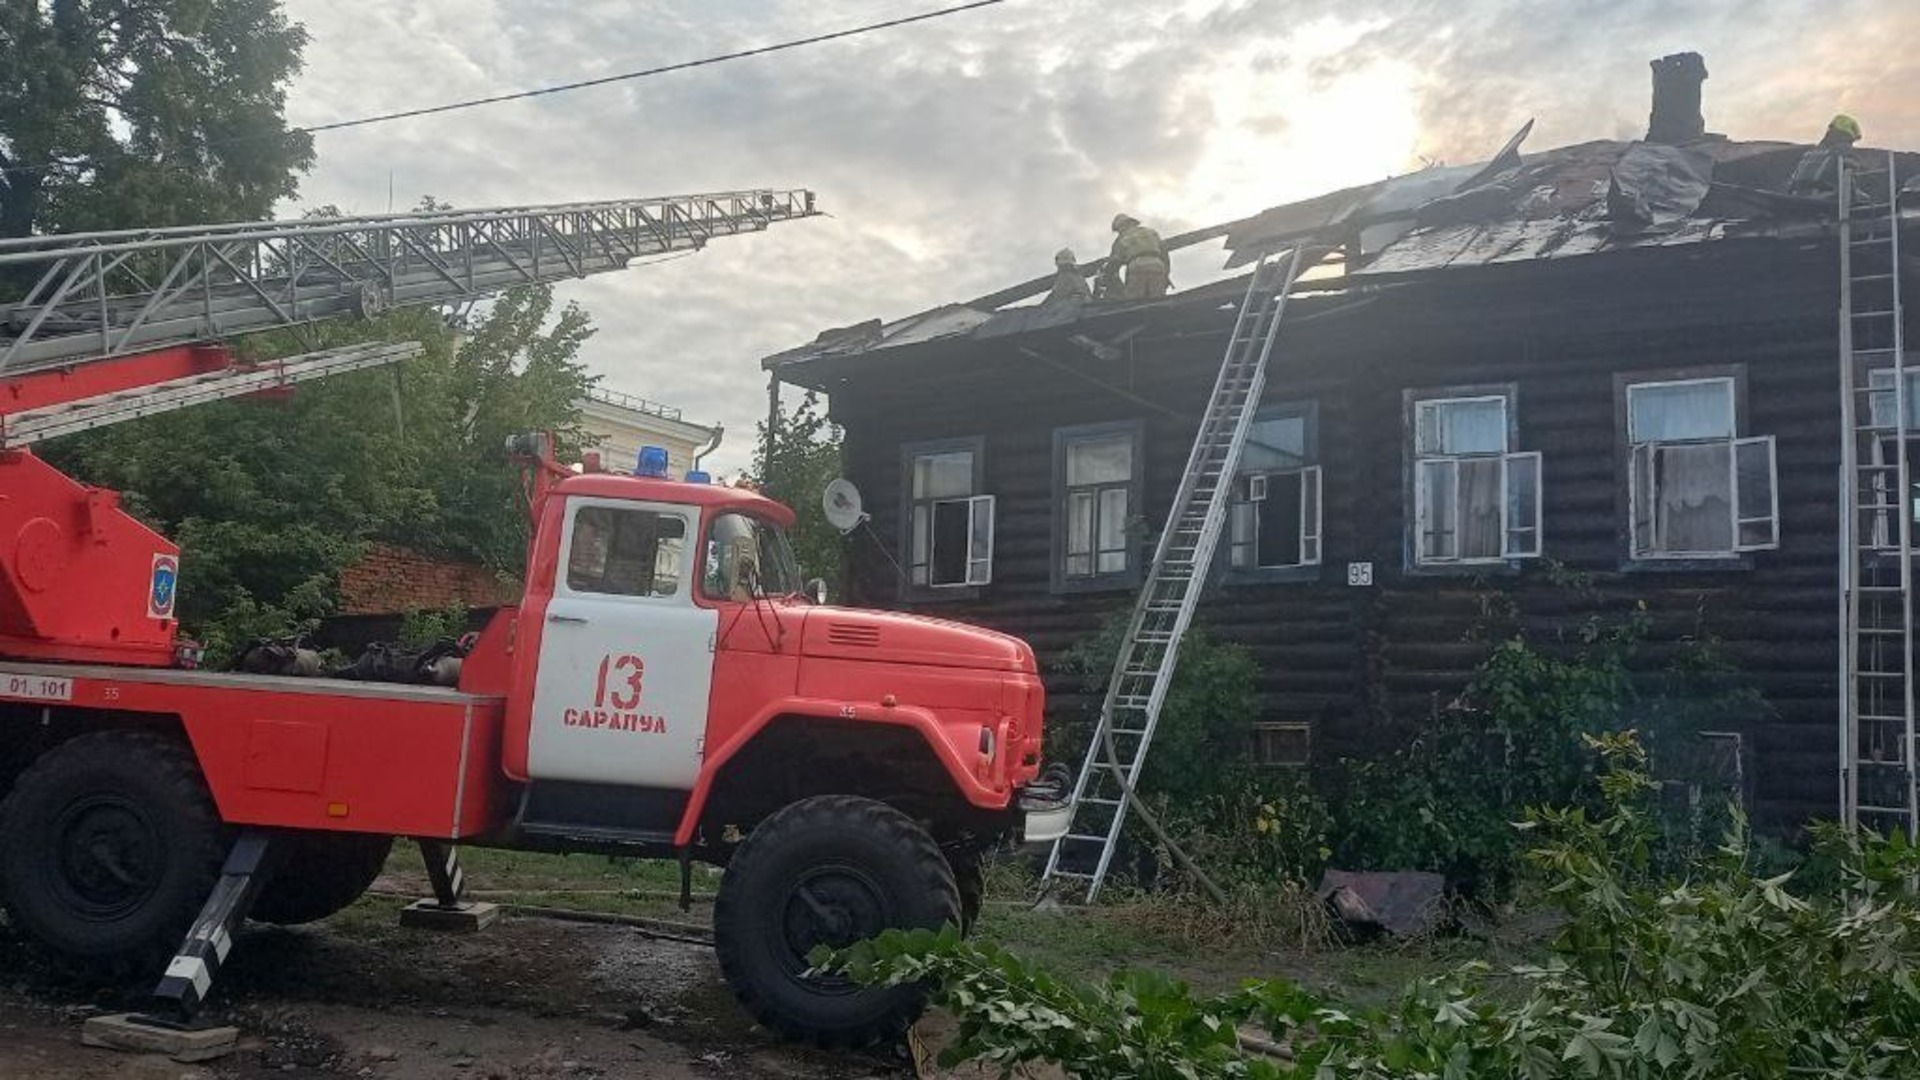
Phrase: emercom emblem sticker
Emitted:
{"points": [[166, 577]]}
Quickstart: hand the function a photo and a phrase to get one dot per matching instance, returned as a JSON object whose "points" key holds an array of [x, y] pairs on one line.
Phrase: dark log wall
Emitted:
{"points": [[1367, 664]]}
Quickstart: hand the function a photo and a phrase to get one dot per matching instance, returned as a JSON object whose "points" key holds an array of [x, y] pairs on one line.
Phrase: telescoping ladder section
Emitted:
{"points": [[1878, 407], [92, 295], [1143, 668]]}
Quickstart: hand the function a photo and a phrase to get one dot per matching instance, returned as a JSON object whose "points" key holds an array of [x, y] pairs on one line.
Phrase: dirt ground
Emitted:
{"points": [[357, 996]]}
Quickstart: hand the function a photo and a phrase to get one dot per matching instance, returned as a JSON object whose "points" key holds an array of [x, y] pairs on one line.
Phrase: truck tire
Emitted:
{"points": [[970, 877], [829, 870], [109, 844], [319, 873]]}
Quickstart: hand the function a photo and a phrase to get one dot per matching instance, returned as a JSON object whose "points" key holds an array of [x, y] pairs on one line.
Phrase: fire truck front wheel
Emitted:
{"points": [[829, 870], [109, 844]]}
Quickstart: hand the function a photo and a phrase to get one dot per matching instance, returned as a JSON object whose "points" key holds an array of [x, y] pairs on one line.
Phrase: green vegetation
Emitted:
{"points": [[1721, 975], [165, 112], [803, 456], [170, 112], [1445, 798]]}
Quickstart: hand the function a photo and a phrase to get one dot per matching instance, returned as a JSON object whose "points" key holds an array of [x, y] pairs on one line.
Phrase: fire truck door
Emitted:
{"points": [[626, 661]]}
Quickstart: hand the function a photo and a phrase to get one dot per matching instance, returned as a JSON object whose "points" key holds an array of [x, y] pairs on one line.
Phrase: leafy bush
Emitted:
{"points": [[1251, 826], [1514, 738], [419, 629], [1200, 746], [1725, 976], [1271, 829]]}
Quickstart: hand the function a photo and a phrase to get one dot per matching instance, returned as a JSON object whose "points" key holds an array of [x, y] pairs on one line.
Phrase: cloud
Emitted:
{"points": [[955, 156]]}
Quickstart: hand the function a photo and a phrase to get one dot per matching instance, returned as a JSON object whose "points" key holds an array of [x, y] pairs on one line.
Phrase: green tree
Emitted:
{"points": [[270, 499], [145, 112], [804, 455]]}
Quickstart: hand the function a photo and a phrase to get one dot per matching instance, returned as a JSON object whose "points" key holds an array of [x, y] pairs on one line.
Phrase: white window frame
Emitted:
{"points": [[1643, 467], [1423, 523], [978, 563], [1312, 496]]}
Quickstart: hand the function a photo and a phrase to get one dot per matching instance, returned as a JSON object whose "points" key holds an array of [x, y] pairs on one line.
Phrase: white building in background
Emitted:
{"points": [[618, 425]]}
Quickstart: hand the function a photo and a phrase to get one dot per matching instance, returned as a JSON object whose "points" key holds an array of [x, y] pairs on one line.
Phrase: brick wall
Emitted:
{"points": [[393, 580]]}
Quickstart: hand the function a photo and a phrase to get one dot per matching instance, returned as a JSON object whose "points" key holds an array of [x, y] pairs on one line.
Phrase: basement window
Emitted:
{"points": [[949, 535], [1697, 489], [1282, 742], [1274, 520], [1476, 501]]}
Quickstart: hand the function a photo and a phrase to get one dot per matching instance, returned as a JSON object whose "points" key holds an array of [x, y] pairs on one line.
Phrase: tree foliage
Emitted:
{"points": [[1722, 975], [145, 112], [794, 467], [270, 499]]}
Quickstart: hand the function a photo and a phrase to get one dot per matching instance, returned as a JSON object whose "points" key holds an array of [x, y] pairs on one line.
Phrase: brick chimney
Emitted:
{"points": [[1676, 115]]}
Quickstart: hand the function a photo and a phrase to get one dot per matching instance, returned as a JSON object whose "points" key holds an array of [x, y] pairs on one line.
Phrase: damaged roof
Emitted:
{"points": [[1586, 199]]}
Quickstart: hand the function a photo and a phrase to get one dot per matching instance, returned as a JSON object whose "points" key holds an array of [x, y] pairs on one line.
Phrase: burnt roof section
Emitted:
{"points": [[1588, 199]]}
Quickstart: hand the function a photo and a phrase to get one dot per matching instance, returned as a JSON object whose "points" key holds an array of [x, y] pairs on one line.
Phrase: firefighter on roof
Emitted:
{"points": [[1818, 173], [1140, 254], [1068, 282]]}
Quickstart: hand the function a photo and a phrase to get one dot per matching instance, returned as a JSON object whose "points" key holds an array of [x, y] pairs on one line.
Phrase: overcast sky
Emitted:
{"points": [[956, 156]]}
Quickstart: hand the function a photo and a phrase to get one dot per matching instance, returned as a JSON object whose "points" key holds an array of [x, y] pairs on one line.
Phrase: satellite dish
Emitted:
{"points": [[841, 501]]}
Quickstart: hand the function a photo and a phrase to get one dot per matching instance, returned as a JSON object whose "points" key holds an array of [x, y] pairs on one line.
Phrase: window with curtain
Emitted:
{"points": [[1476, 500], [1273, 522], [1099, 483], [1696, 487], [1097, 493], [949, 537]]}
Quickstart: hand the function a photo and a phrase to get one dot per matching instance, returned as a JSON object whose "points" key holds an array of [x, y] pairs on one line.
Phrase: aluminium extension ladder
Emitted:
{"points": [[1143, 668], [1877, 748]]}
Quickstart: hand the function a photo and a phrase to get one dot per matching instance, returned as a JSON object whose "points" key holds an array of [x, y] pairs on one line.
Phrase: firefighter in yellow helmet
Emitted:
{"points": [[1140, 255], [1818, 174]]}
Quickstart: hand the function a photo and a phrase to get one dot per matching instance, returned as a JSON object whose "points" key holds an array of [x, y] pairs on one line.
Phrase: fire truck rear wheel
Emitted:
{"points": [[109, 844], [970, 877], [829, 870], [320, 873]]}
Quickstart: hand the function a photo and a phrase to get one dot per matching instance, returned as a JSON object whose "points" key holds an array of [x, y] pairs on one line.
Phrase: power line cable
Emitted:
{"points": [[648, 72], [474, 103]]}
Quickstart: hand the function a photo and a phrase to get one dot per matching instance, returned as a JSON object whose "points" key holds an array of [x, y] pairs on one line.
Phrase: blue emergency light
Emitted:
{"points": [[653, 462], [699, 476]]}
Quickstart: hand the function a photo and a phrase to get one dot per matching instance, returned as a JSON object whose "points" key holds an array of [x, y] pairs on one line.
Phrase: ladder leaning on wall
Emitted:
{"points": [[1877, 743], [1143, 668]]}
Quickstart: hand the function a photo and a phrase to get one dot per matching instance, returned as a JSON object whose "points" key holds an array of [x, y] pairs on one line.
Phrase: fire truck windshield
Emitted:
{"points": [[748, 557]]}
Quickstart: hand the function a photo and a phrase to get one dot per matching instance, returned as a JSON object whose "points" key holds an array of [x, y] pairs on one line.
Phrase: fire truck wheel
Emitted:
{"points": [[971, 879], [109, 844], [829, 870], [322, 872]]}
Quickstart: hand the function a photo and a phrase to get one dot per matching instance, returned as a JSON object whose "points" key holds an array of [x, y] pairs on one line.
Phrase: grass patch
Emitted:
{"points": [[1276, 931]]}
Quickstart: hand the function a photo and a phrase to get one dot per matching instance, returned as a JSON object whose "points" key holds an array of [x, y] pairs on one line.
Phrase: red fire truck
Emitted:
{"points": [[666, 687]]}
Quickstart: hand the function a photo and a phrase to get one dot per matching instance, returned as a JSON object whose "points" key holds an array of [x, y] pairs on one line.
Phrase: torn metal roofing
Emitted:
{"points": [[1586, 199]]}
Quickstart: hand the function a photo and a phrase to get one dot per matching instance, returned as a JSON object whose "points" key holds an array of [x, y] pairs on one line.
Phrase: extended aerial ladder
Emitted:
{"points": [[1144, 667], [1877, 743], [112, 326]]}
